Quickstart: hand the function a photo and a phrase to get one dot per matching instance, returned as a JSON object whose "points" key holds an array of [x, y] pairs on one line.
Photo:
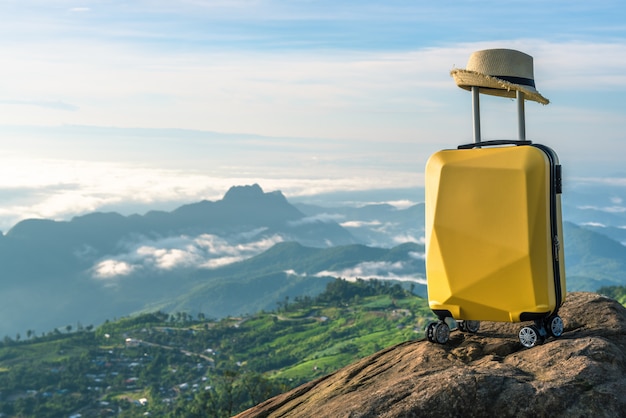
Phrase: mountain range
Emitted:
{"points": [[241, 254]]}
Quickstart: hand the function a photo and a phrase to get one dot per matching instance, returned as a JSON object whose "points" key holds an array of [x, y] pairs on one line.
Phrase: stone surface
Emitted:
{"points": [[580, 374]]}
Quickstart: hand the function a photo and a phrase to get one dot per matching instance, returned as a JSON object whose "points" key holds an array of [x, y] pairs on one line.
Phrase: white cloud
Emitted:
{"points": [[360, 224], [204, 251], [108, 269], [220, 262], [409, 237], [380, 270], [607, 209], [609, 181], [587, 65], [418, 256], [169, 258], [401, 204], [322, 217], [594, 224]]}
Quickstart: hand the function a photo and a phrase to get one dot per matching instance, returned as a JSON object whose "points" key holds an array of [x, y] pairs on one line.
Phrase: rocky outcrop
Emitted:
{"points": [[489, 374]]}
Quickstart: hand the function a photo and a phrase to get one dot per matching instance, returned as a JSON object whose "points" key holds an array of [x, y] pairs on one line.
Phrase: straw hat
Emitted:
{"points": [[499, 72]]}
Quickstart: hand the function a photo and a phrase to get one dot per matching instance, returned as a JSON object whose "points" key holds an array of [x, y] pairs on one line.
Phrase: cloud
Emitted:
{"points": [[410, 236], [322, 217], [400, 204], [108, 269], [607, 209], [417, 256], [360, 224], [380, 270], [608, 180], [590, 65], [594, 224], [203, 251], [169, 258]]}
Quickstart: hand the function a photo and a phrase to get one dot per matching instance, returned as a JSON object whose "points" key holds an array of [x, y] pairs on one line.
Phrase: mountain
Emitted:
{"points": [[104, 265], [592, 260], [583, 373], [379, 225], [287, 270], [243, 253], [243, 209], [597, 204], [205, 257]]}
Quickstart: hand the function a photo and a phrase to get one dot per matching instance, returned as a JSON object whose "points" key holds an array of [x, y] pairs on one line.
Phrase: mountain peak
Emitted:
{"points": [[244, 192], [583, 373], [251, 201]]}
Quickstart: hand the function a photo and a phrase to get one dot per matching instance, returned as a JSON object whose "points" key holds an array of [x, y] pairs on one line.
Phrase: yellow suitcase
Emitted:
{"points": [[493, 238]]}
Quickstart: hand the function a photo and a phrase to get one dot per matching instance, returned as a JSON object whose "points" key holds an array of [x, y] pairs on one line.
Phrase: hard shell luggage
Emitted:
{"points": [[493, 234]]}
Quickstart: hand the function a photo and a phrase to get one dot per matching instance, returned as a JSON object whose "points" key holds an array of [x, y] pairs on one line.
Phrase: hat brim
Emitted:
{"points": [[494, 86]]}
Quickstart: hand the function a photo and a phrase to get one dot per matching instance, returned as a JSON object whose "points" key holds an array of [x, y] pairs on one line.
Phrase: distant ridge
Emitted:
{"points": [[243, 207]]}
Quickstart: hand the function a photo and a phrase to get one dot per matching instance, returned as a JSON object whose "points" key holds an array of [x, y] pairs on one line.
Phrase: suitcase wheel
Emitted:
{"points": [[554, 325], [530, 336], [469, 326], [438, 332]]}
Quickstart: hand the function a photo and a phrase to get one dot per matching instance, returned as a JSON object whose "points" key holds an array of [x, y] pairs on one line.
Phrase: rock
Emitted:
{"points": [[488, 374]]}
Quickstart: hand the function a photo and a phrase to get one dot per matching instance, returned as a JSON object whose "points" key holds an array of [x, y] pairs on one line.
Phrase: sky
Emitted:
{"points": [[138, 105]]}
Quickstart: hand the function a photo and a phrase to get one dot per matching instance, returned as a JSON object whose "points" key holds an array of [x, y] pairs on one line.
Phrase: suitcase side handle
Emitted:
{"points": [[494, 143]]}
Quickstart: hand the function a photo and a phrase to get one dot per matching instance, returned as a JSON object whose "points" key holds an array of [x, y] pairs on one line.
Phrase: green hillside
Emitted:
{"points": [[592, 260], [176, 365], [616, 292], [288, 269]]}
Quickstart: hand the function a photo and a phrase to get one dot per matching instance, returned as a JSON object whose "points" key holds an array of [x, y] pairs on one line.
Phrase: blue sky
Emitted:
{"points": [[149, 104]]}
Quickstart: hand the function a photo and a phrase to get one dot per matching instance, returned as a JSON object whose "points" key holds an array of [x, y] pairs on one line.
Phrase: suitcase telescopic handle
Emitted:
{"points": [[521, 118], [494, 143]]}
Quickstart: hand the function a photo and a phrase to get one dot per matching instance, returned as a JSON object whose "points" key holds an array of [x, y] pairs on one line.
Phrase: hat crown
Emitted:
{"points": [[502, 62], [499, 72]]}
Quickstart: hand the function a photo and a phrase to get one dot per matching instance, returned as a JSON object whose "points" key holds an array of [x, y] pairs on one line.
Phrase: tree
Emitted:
{"points": [[228, 390], [258, 388]]}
